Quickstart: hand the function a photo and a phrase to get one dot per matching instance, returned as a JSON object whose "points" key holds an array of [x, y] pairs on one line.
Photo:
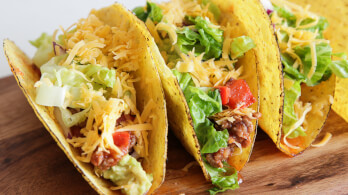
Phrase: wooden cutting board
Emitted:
{"points": [[32, 163]]}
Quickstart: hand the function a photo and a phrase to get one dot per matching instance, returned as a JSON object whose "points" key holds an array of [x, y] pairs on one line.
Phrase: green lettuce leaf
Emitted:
{"points": [[210, 139], [73, 119], [101, 75], [323, 51], [240, 45], [203, 103], [203, 38], [44, 51], [140, 13], [201, 23], [290, 18], [339, 68], [153, 12], [213, 8], [289, 117], [289, 69], [225, 178]]}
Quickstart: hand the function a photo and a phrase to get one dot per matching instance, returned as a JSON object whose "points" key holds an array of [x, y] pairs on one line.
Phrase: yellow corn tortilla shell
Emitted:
{"points": [[336, 13], [238, 13], [26, 76], [318, 96]]}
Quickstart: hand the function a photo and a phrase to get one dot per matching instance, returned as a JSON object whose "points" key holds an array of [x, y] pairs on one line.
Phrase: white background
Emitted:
{"points": [[24, 20]]}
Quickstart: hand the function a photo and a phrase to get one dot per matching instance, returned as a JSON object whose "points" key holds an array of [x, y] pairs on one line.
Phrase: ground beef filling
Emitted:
{"points": [[239, 131], [104, 160]]}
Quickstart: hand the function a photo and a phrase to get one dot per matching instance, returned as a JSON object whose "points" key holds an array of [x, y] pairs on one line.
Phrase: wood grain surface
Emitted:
{"points": [[32, 163]]}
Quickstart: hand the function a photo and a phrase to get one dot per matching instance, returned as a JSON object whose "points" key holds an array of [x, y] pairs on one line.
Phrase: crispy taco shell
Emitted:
{"points": [[26, 75], [318, 96], [242, 15], [337, 32]]}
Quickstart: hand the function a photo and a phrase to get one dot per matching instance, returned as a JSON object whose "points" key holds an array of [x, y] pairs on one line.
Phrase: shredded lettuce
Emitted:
{"points": [[68, 80], [210, 139], [340, 67], [290, 18], [153, 12], [50, 95], [101, 75], [44, 51], [204, 102], [201, 23], [213, 8], [323, 70], [225, 178], [204, 38], [73, 119], [323, 51], [240, 45], [202, 105], [289, 117]]}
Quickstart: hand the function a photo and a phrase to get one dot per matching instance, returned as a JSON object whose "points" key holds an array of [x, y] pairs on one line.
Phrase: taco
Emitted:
{"points": [[337, 33], [89, 86], [309, 68], [207, 56]]}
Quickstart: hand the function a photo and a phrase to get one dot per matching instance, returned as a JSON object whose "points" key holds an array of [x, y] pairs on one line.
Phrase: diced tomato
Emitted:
{"points": [[225, 93], [239, 94], [121, 140]]}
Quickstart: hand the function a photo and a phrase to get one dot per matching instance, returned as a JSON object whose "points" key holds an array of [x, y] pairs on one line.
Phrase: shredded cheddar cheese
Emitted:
{"points": [[207, 73], [324, 141], [93, 42]]}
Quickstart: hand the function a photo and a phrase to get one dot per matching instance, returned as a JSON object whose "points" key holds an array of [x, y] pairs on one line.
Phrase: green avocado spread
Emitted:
{"points": [[130, 174]]}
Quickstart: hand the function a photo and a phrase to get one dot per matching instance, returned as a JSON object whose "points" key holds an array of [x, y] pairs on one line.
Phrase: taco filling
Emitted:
{"points": [[202, 55], [307, 60], [87, 83]]}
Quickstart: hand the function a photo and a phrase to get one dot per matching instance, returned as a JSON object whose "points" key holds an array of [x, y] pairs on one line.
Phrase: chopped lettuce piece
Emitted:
{"points": [[339, 68], [203, 39], [44, 51], [208, 27], [184, 79], [323, 53], [50, 95], [210, 139], [289, 69], [225, 178], [290, 18], [290, 118], [213, 8], [130, 174], [203, 104], [101, 75], [73, 119], [241, 45], [140, 13], [72, 79], [153, 12]]}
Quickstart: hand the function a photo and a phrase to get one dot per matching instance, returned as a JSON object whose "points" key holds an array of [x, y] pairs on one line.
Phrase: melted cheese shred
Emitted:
{"points": [[208, 73], [324, 141], [94, 42]]}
